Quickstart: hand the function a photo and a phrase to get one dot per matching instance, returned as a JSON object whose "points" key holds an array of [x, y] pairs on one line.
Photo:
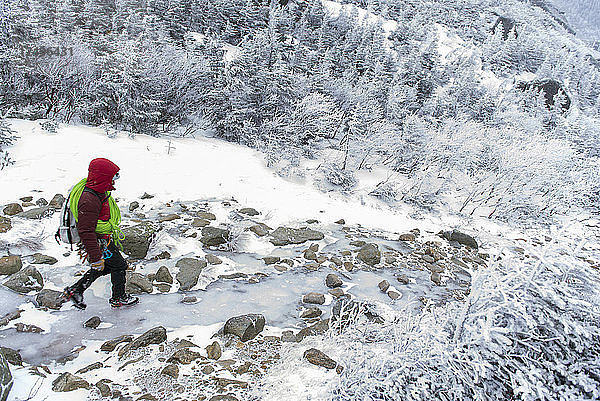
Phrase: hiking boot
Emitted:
{"points": [[74, 296], [123, 300]]}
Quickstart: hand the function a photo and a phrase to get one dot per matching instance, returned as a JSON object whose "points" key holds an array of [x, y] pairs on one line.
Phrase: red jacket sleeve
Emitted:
{"points": [[88, 211]]}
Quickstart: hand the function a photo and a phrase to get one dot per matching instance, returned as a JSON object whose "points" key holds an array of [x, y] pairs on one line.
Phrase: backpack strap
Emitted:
{"points": [[103, 197]]}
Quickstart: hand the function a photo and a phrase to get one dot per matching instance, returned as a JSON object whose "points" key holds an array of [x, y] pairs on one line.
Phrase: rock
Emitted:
{"points": [[50, 299], [207, 369], [134, 205], [92, 322], [10, 264], [163, 287], [12, 356], [260, 229], [428, 258], [25, 280], [285, 236], [269, 260], [311, 313], [163, 275], [103, 388], [28, 328], [89, 368], [39, 259], [233, 276], [312, 221], [333, 281], [26, 199], [189, 271], [358, 243], [213, 260], [213, 351], [110, 345], [346, 310], [185, 344], [384, 285], [319, 358], [12, 208], [403, 279], [41, 202], [146, 196], [184, 356], [169, 217], [5, 224], [6, 379], [171, 370], [336, 292], [389, 259], [460, 237], [340, 221], [137, 283], [348, 266], [309, 254], [407, 237], [223, 397], [337, 261], [57, 202], [146, 397], [68, 382], [288, 336], [314, 247], [246, 327], [190, 299], [314, 298], [138, 238], [156, 335], [248, 211], [316, 329], [212, 236], [10, 316], [197, 222], [393, 294], [369, 254], [434, 268], [36, 213], [280, 268], [436, 278], [206, 215]]}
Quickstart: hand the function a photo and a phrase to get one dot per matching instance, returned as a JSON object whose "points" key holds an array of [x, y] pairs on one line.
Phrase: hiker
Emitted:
{"points": [[98, 218]]}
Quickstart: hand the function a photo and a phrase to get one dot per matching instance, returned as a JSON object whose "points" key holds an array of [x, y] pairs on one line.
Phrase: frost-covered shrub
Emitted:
{"points": [[7, 137], [49, 126], [333, 174]]}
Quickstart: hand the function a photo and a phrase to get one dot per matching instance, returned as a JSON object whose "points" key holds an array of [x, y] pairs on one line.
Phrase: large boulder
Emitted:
{"points": [[213, 236], [69, 382], [156, 335], [25, 280], [246, 327], [138, 238], [286, 236], [319, 358], [37, 213], [50, 299], [163, 275], [461, 238], [57, 202], [10, 264], [12, 208], [189, 271], [12, 356], [5, 224], [370, 254], [40, 259], [137, 283], [6, 380]]}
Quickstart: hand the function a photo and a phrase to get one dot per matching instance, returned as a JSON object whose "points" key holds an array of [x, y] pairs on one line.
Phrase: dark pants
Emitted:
{"points": [[115, 266]]}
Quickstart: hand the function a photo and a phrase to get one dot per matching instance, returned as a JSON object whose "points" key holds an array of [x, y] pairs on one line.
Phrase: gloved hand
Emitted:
{"points": [[99, 265]]}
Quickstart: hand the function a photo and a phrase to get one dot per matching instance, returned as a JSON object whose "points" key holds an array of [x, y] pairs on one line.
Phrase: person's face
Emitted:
{"points": [[115, 178]]}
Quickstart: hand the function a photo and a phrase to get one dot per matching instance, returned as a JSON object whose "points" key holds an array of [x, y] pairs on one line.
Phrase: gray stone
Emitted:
{"points": [[6, 379], [403, 279], [37, 213], [134, 205], [285, 236], [206, 215], [89, 368], [169, 217], [309, 254], [184, 356], [249, 211], [213, 351], [50, 299], [163, 275], [189, 271], [213, 260], [358, 243], [41, 202], [428, 258], [213, 236], [103, 388], [156, 335], [12, 356], [163, 287], [10, 316], [316, 329], [369, 254], [270, 260], [137, 283], [260, 229], [336, 292], [436, 278], [393, 294], [57, 202], [28, 328], [319, 358], [233, 276], [39, 259], [384, 285], [280, 268], [223, 397], [171, 370], [12, 208], [5, 224], [26, 199], [460, 237], [25, 280], [10, 264], [337, 261], [198, 222], [333, 281], [311, 313], [146, 196], [246, 327], [389, 259], [92, 322], [340, 221], [68, 382], [312, 221], [288, 336], [110, 345], [407, 237], [190, 299], [314, 298], [138, 238]]}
